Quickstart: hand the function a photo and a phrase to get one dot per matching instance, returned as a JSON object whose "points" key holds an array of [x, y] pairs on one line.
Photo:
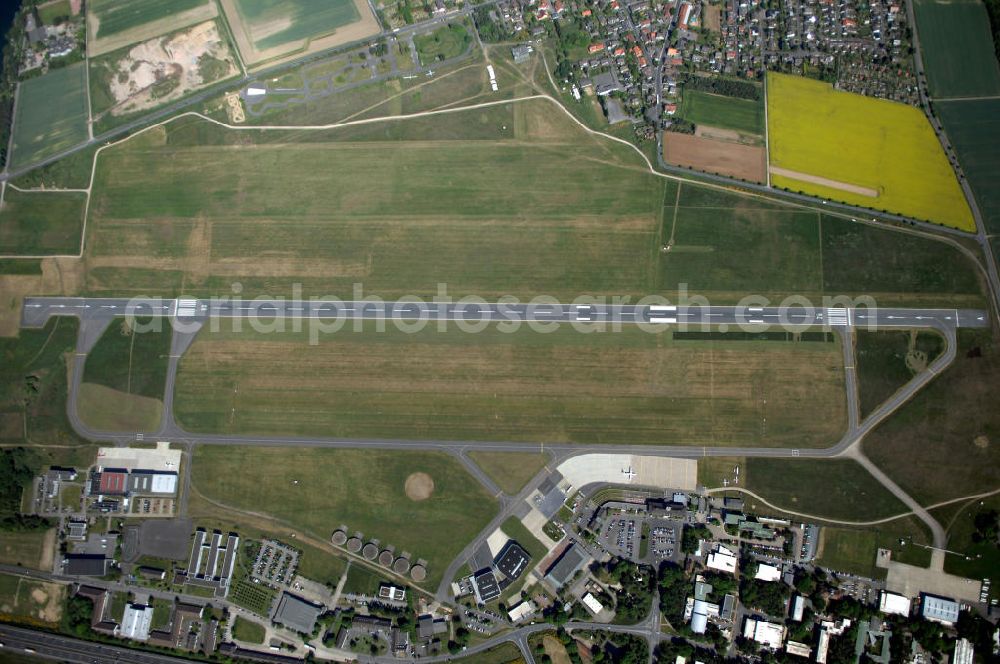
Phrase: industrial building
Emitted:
{"points": [[136, 622], [296, 613], [939, 609]]}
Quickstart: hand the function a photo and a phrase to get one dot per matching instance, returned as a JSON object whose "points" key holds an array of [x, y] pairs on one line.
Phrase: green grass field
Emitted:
{"points": [[516, 530], [34, 600], [742, 115], [974, 129], [41, 224], [630, 387], [316, 490], [412, 203], [303, 19], [247, 631], [124, 377], [33, 384], [43, 128], [129, 359], [23, 549], [836, 489], [948, 431], [446, 42], [882, 362], [957, 48], [510, 470], [981, 559], [116, 16], [850, 550], [49, 13], [362, 581]]}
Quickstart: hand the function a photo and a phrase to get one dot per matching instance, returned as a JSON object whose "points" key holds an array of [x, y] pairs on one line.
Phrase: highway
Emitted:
{"points": [[76, 651], [37, 310]]}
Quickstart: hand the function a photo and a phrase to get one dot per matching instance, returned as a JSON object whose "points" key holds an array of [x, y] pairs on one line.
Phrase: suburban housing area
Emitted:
{"points": [[500, 331]]}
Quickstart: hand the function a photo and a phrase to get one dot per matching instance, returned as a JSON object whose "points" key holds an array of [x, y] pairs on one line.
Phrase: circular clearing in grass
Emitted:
{"points": [[419, 486]]}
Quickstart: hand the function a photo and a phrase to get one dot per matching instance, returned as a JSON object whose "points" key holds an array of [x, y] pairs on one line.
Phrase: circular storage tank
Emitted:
{"points": [[418, 573], [385, 558], [370, 551], [339, 538], [401, 566], [354, 545]]}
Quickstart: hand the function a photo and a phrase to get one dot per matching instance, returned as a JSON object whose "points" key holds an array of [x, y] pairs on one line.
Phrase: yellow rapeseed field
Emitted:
{"points": [[872, 144]]}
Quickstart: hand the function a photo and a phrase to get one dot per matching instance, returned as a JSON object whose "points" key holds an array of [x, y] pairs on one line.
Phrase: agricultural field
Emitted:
{"points": [[703, 153], [741, 115], [113, 24], [947, 431], [510, 470], [895, 162], [269, 29], [957, 48], [316, 491], [618, 387], [35, 600], [51, 12], [124, 377], [887, 360], [41, 224], [836, 489], [974, 130], [446, 42], [43, 128]]}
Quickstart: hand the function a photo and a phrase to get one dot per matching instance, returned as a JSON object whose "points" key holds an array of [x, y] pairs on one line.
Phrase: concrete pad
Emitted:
{"points": [[650, 471], [910, 581], [162, 458], [534, 521], [496, 541]]}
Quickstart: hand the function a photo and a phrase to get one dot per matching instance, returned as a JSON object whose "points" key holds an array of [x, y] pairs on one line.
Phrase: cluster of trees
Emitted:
{"points": [[993, 9], [987, 523], [668, 651], [17, 467], [724, 86], [489, 30], [622, 649], [674, 588], [693, 534], [568, 642], [636, 595], [76, 617], [765, 596]]}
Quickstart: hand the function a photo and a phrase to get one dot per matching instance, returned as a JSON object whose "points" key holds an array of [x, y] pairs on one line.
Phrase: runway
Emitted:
{"points": [[37, 311]]}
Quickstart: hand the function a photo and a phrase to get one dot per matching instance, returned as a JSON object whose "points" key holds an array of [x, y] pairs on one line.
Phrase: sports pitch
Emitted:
{"points": [[629, 387], [42, 127], [894, 163]]}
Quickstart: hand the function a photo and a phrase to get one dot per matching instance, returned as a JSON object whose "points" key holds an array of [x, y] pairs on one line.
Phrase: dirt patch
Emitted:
{"points": [[982, 442], [824, 182], [159, 70], [713, 16], [747, 162], [555, 650], [48, 550], [419, 486]]}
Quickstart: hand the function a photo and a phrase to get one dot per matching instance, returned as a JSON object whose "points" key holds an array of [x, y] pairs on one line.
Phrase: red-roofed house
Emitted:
{"points": [[684, 15], [586, 12], [596, 47]]}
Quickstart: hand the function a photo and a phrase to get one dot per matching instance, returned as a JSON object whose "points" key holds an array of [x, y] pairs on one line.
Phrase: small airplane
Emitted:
{"points": [[628, 473]]}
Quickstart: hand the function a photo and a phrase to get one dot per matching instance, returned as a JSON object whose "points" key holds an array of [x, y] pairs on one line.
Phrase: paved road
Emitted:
{"points": [[37, 310]]}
